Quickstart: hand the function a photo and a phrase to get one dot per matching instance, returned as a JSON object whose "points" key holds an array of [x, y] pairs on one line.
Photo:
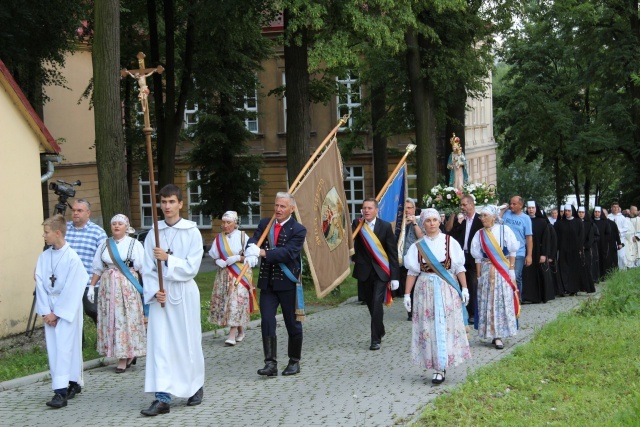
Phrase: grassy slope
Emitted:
{"points": [[581, 369]]}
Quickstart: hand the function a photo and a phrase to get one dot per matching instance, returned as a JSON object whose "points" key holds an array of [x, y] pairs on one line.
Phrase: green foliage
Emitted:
{"points": [[35, 36], [530, 180], [564, 102], [227, 173]]}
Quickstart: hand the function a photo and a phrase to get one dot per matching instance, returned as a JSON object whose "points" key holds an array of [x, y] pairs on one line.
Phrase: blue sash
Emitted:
{"points": [[300, 315], [115, 257], [442, 272]]}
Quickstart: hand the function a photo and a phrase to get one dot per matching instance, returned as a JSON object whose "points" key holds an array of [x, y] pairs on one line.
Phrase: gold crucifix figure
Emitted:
{"points": [[141, 75]]}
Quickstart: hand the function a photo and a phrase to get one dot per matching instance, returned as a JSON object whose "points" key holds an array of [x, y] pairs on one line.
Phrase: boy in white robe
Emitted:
{"points": [[175, 362], [60, 283]]}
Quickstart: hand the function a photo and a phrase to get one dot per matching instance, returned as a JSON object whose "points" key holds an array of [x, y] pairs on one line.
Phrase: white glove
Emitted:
{"points": [[395, 285], [91, 294], [251, 260], [407, 302], [233, 259], [252, 250], [512, 275], [465, 296], [221, 263]]}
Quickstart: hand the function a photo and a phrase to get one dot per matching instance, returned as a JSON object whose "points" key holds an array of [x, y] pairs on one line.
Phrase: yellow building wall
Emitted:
{"points": [[68, 120], [21, 218]]}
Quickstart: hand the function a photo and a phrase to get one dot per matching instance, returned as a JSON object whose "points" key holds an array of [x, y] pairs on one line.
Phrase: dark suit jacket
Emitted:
{"points": [[287, 251], [458, 230], [364, 263]]}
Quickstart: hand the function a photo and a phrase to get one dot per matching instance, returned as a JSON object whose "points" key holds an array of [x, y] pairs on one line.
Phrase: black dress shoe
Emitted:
{"points": [[292, 368], [270, 369], [73, 390], [374, 346], [156, 408], [58, 401], [196, 399]]}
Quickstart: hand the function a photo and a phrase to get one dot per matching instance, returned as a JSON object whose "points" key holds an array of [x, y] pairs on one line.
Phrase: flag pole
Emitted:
{"points": [[295, 183], [410, 149]]}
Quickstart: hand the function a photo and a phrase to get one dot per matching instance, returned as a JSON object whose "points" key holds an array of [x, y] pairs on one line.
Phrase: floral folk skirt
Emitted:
{"points": [[229, 303], [121, 329], [439, 338]]}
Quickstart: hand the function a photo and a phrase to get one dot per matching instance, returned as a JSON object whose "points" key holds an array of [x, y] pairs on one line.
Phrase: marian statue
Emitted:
{"points": [[457, 164]]}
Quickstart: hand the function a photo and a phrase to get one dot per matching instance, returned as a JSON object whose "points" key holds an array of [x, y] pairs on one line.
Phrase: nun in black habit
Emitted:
{"points": [[591, 238], [537, 283], [570, 231]]}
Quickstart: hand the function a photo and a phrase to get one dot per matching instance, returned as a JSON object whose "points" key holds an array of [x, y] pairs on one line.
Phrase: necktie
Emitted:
{"points": [[276, 233]]}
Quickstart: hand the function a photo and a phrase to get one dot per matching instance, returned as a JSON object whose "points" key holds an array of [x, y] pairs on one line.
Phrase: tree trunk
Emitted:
{"points": [[425, 125], [170, 105], [110, 144], [296, 69], [380, 161], [587, 191], [558, 180], [576, 186]]}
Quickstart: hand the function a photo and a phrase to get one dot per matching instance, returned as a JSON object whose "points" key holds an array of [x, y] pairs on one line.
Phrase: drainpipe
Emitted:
{"points": [[50, 159]]}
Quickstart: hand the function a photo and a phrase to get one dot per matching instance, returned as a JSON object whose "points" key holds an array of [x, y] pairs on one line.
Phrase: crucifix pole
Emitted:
{"points": [[141, 75]]}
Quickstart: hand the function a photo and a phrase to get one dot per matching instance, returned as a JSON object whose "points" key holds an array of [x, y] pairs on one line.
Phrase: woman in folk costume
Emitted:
{"points": [[232, 304], [117, 263], [498, 300], [435, 265]]}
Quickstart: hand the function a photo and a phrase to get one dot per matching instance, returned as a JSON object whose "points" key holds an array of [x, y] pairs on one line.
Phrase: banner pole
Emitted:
{"points": [[295, 183], [410, 149]]}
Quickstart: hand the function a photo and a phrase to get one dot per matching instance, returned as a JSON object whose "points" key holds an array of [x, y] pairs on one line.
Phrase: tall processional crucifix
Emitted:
{"points": [[141, 75]]}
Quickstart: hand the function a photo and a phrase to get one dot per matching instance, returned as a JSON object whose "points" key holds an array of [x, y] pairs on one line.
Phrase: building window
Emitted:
{"points": [[349, 96], [412, 183], [252, 218], [354, 189], [190, 116], [195, 195], [146, 214], [250, 104]]}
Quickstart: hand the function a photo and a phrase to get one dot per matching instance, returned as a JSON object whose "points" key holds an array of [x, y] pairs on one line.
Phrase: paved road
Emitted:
{"points": [[337, 365]]}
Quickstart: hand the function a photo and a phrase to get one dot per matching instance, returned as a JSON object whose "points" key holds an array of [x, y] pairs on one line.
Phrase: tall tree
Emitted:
{"points": [[225, 73], [564, 102], [110, 144]]}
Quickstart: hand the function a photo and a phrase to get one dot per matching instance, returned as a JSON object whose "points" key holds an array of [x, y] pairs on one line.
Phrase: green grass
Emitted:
{"points": [[25, 356], [581, 369]]}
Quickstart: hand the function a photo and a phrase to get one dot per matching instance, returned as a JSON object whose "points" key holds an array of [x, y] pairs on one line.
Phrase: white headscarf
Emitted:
{"points": [[123, 219], [581, 209], [531, 204], [428, 213], [492, 210], [230, 216]]}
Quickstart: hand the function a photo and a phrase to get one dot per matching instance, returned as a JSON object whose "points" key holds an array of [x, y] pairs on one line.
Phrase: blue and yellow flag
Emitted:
{"points": [[391, 206]]}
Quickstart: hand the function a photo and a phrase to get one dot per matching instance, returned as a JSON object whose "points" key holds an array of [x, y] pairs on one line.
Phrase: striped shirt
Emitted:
{"points": [[85, 241]]}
